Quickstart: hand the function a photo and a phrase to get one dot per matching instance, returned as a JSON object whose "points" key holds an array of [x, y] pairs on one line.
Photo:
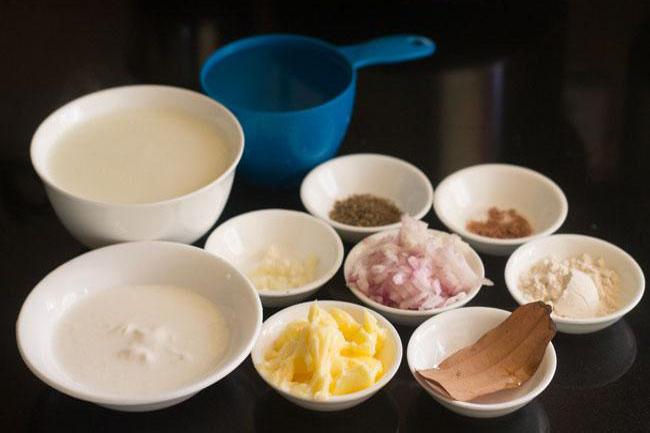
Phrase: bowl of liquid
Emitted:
{"points": [[138, 326], [138, 163]]}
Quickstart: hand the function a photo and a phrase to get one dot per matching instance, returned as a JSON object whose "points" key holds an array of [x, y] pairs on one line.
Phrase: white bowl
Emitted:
{"points": [[468, 193], [391, 353], [442, 335], [136, 263], [411, 317], [365, 173], [632, 281], [244, 239], [181, 219]]}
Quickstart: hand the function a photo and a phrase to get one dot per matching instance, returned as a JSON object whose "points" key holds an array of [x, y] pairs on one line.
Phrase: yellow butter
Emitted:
{"points": [[328, 354]]}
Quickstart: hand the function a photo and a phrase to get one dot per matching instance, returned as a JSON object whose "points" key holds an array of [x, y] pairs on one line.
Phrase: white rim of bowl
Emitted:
{"points": [[410, 313], [186, 391], [367, 392], [460, 229], [546, 380], [300, 289], [227, 114], [516, 293], [359, 229]]}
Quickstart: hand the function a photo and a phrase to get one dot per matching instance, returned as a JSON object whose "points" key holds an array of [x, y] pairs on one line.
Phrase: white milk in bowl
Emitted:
{"points": [[138, 155]]}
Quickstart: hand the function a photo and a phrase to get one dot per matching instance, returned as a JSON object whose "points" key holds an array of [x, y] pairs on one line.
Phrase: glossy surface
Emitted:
{"points": [[457, 329], [390, 354], [383, 176], [294, 95], [134, 263], [630, 275], [467, 194], [562, 88], [244, 239], [413, 317], [183, 218]]}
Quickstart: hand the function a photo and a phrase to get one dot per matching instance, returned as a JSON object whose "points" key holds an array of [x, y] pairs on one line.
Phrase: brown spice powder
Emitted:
{"points": [[501, 224], [365, 210]]}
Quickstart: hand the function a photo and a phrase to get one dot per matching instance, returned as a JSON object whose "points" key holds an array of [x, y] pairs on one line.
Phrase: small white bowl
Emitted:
{"points": [[136, 263], [442, 335], [244, 239], [365, 173], [468, 194], [391, 354], [181, 219], [632, 281], [411, 317]]}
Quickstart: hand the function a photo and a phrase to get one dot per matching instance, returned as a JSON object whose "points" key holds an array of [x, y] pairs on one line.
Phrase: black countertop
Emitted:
{"points": [[561, 87]]}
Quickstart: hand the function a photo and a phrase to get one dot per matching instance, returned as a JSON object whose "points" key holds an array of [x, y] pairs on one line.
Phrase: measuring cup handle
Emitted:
{"points": [[389, 49]]}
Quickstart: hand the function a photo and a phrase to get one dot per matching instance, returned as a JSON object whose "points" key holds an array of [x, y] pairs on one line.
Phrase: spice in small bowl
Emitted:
{"points": [[501, 224], [365, 210]]}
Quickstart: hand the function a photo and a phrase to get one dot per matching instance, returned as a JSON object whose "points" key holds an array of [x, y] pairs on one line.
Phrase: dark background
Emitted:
{"points": [[561, 87]]}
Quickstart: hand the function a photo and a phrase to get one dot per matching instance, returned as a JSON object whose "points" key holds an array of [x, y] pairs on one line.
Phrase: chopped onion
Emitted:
{"points": [[414, 269]]}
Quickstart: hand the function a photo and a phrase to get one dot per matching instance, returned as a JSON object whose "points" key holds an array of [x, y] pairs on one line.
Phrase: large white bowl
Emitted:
{"points": [[632, 281], [181, 219], [468, 193], [442, 335], [136, 263], [411, 317], [365, 173], [391, 354], [244, 239]]}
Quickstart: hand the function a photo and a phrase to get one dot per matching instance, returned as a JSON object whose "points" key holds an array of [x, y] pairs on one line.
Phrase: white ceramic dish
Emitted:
{"points": [[244, 239], [136, 263], [365, 173], [632, 280], [411, 317], [391, 354], [181, 219], [442, 335], [468, 193]]}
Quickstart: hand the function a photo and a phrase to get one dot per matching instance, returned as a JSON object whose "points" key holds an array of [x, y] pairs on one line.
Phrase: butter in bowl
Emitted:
{"points": [[327, 355]]}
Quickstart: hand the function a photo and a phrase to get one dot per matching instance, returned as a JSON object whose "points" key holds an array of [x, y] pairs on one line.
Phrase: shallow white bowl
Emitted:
{"points": [[468, 193], [632, 281], [136, 263], [442, 335], [244, 239], [411, 317], [181, 219], [365, 173], [391, 353]]}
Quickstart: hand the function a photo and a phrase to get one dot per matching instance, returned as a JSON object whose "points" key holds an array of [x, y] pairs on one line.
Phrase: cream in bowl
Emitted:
{"points": [[138, 163], [412, 273], [288, 255], [589, 282], [138, 326], [327, 355], [365, 193], [497, 207]]}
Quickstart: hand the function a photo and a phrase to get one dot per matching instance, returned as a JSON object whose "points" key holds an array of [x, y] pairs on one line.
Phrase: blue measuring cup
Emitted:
{"points": [[294, 95]]}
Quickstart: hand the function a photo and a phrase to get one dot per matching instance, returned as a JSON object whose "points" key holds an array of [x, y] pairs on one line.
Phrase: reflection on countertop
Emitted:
{"points": [[274, 413], [222, 407], [590, 361], [425, 415]]}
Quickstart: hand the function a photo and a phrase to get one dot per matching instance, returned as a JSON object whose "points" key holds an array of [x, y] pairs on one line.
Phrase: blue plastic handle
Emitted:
{"points": [[389, 49]]}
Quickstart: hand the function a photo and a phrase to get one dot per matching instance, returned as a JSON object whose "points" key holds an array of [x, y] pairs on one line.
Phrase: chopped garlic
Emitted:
{"points": [[277, 271]]}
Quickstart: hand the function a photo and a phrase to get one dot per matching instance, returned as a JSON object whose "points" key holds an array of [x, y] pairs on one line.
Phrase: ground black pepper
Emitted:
{"points": [[365, 210]]}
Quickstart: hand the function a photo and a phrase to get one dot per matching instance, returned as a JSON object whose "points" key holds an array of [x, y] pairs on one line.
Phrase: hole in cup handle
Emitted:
{"points": [[418, 42]]}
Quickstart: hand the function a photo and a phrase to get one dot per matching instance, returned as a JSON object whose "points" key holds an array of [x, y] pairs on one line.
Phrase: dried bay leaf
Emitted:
{"points": [[504, 357]]}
